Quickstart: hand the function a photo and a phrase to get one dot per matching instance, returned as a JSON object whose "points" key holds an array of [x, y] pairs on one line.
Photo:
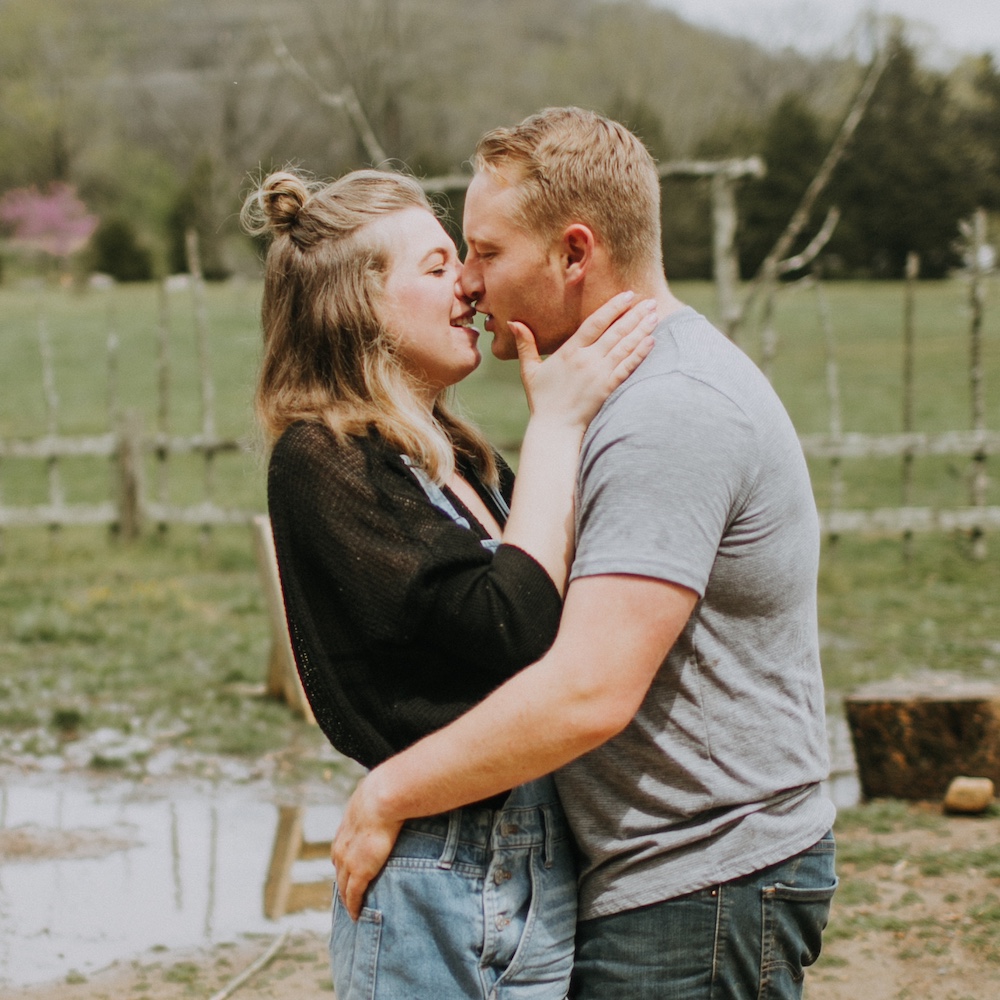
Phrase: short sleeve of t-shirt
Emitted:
{"points": [[665, 468]]}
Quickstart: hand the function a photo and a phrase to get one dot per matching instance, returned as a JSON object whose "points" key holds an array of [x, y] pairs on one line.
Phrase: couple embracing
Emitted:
{"points": [[591, 702]]}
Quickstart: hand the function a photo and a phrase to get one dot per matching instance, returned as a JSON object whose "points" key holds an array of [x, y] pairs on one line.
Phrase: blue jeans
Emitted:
{"points": [[477, 903], [749, 939]]}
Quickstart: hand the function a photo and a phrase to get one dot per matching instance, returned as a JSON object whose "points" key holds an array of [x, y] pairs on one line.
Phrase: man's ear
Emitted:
{"points": [[577, 249]]}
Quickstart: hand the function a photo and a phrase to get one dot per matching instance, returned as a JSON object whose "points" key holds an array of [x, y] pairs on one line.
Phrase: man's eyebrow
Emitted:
{"points": [[480, 242]]}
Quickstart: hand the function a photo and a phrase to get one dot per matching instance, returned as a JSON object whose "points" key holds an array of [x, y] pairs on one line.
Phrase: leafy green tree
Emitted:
{"points": [[687, 203], [50, 55], [645, 121], [686, 218], [904, 183], [196, 207], [980, 120], [792, 145], [115, 249], [122, 180]]}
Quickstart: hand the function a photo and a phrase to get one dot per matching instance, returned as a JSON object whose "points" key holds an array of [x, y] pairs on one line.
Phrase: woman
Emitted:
{"points": [[411, 588]]}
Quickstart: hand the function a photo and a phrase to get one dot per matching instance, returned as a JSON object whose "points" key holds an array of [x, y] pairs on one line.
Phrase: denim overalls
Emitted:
{"points": [[475, 903]]}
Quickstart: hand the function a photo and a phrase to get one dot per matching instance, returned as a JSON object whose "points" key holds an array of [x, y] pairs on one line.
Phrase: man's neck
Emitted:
{"points": [[654, 286]]}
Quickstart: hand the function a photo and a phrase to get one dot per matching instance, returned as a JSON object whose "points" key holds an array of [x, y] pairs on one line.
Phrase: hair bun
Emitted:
{"points": [[282, 196], [274, 207]]}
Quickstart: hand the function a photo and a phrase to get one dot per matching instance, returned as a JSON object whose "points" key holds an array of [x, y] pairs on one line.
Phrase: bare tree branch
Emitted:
{"points": [[769, 268], [346, 100], [752, 166], [817, 243]]}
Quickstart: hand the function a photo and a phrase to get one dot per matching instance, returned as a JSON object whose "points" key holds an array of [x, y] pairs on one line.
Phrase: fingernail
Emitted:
{"points": [[629, 295]]}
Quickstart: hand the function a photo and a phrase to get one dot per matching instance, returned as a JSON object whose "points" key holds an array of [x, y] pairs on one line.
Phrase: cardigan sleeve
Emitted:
{"points": [[357, 529]]}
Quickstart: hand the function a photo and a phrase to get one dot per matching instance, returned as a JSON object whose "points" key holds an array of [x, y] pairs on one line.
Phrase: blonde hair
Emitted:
{"points": [[327, 356], [571, 165]]}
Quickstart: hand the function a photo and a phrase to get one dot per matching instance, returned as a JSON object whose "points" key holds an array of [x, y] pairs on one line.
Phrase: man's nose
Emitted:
{"points": [[470, 283]]}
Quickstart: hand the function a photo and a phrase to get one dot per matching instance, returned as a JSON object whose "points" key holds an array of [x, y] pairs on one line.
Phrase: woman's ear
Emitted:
{"points": [[577, 251]]}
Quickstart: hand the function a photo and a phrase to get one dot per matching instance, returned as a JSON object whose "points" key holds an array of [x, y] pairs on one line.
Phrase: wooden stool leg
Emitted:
{"points": [[282, 675]]}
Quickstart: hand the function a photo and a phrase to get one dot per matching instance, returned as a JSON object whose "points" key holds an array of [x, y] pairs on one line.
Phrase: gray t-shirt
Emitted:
{"points": [[693, 473]]}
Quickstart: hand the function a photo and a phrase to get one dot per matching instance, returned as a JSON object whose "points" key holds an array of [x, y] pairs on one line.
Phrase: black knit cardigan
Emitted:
{"points": [[399, 618]]}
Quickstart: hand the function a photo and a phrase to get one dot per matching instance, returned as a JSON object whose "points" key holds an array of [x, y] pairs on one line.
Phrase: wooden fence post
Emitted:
{"points": [[836, 423], [975, 243], [282, 674], [162, 451], [207, 385], [768, 332], [909, 303], [57, 497], [129, 499], [725, 262]]}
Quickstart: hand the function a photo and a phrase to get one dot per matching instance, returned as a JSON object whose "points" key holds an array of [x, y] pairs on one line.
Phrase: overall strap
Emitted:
{"points": [[438, 498]]}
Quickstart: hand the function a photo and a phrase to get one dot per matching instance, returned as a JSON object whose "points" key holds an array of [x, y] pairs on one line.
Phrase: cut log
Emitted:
{"points": [[911, 738]]}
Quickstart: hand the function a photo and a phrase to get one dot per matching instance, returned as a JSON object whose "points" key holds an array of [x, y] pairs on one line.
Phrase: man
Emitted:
{"points": [[682, 702]]}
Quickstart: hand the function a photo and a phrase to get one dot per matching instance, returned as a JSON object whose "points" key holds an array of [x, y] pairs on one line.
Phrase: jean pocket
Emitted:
{"points": [[794, 920], [354, 948]]}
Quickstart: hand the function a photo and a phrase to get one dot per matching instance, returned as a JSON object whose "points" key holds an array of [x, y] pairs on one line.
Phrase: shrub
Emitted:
{"points": [[117, 251]]}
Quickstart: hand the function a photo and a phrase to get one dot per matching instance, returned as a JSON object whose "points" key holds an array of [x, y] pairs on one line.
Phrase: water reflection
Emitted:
{"points": [[285, 891], [843, 785], [90, 874], [94, 873]]}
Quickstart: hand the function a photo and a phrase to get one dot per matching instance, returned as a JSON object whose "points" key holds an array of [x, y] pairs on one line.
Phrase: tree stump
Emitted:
{"points": [[912, 737]]}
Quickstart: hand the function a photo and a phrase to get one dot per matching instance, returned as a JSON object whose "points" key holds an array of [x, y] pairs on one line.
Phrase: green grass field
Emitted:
{"points": [[164, 636]]}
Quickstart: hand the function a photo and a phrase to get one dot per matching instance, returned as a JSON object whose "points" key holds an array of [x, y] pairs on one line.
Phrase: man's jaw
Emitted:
{"points": [[504, 347]]}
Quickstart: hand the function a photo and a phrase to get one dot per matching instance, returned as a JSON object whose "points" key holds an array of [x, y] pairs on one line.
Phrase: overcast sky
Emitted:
{"points": [[943, 29]]}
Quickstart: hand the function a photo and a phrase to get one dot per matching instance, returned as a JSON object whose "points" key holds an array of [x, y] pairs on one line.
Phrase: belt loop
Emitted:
{"points": [[450, 851], [548, 826]]}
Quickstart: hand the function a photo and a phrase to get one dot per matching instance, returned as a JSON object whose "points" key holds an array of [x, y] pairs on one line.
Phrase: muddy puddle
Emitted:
{"points": [[91, 873]]}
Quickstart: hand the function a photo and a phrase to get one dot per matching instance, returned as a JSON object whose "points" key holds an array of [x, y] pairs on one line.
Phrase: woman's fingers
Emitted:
{"points": [[634, 356], [352, 895], [602, 319], [638, 339], [362, 846], [524, 341], [630, 327]]}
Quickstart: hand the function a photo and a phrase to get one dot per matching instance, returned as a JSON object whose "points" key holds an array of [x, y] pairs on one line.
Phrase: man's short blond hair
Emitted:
{"points": [[572, 165]]}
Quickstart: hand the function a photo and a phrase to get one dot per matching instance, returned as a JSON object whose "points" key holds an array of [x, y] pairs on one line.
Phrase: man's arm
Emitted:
{"points": [[614, 635]]}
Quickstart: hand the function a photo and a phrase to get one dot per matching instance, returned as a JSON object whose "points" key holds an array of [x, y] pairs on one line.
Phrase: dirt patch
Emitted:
{"points": [[301, 968], [917, 917], [918, 911]]}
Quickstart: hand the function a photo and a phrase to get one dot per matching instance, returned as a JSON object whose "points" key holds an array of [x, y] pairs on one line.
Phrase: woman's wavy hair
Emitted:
{"points": [[327, 355]]}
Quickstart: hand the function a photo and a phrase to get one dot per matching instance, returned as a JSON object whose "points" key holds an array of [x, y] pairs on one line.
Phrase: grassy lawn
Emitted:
{"points": [[166, 638]]}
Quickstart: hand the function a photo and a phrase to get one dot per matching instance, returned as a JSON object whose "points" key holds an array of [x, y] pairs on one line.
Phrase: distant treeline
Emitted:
{"points": [[160, 111]]}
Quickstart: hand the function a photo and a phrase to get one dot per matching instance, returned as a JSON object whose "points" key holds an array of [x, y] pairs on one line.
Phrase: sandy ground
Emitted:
{"points": [[918, 916]]}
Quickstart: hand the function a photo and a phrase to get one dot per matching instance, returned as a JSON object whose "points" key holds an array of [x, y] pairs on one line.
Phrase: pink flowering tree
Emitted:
{"points": [[54, 223]]}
